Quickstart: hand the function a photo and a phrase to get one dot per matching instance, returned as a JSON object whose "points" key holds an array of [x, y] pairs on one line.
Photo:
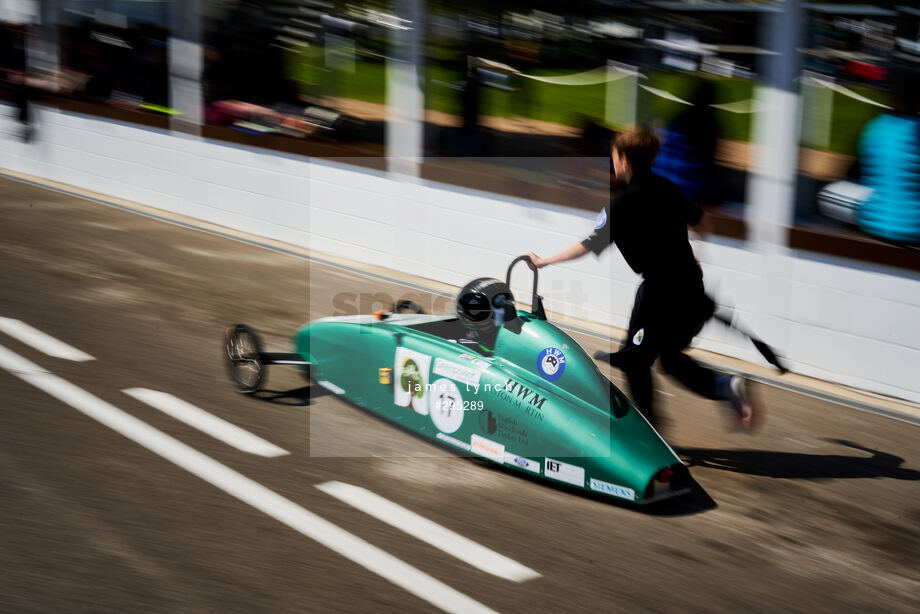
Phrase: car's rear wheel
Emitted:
{"points": [[406, 304], [242, 350]]}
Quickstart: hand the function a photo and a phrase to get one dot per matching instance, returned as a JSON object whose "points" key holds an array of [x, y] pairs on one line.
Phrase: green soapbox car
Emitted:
{"points": [[515, 390]]}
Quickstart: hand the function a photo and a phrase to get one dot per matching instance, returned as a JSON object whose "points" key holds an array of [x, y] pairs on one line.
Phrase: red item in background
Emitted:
{"points": [[864, 70]]}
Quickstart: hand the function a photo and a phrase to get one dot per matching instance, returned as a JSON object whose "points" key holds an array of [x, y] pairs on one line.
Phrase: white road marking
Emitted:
{"points": [[246, 490], [42, 342], [430, 532], [206, 422]]}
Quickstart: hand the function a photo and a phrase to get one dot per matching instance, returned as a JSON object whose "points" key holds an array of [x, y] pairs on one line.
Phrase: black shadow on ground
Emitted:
{"points": [[799, 466], [298, 397], [696, 501]]}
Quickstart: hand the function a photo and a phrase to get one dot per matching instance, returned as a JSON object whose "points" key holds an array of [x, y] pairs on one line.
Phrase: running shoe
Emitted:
{"points": [[747, 409]]}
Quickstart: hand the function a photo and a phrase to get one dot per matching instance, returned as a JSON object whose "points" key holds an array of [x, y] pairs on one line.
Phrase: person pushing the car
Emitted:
{"points": [[648, 223]]}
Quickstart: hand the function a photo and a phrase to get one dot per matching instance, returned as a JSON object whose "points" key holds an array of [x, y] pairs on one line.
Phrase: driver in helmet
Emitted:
{"points": [[483, 306], [648, 223]]}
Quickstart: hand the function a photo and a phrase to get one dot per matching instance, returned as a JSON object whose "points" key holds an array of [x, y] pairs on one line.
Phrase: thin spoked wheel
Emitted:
{"points": [[242, 357]]}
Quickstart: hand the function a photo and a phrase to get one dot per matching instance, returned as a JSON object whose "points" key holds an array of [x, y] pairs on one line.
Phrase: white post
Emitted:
{"points": [[405, 102], [774, 156], [186, 67], [772, 168]]}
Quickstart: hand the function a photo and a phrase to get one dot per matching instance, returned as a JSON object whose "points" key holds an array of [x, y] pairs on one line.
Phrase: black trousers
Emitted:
{"points": [[666, 316]]}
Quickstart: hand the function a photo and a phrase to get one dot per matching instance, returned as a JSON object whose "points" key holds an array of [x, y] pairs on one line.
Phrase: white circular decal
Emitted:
{"points": [[550, 365], [446, 405], [639, 336]]}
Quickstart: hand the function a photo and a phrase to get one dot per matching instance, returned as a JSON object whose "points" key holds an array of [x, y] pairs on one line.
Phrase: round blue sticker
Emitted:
{"points": [[600, 219], [551, 364]]}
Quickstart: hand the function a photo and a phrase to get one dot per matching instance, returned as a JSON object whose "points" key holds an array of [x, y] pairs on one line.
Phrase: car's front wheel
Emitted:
{"points": [[242, 356]]}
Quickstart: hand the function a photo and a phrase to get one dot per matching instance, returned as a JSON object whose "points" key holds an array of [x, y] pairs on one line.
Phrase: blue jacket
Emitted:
{"points": [[889, 150]]}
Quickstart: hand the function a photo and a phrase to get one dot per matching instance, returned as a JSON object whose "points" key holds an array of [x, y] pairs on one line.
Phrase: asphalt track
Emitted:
{"points": [[108, 504]]}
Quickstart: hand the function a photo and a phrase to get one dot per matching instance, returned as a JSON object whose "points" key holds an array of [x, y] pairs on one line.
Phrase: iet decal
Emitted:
{"points": [[564, 472]]}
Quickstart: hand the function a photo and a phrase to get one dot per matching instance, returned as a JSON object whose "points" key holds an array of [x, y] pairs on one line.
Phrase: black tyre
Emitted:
{"points": [[242, 350], [408, 305]]}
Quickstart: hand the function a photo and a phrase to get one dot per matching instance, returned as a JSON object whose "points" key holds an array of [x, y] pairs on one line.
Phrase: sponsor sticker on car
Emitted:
{"points": [[551, 364], [479, 363], [508, 428], [613, 489], [411, 379], [524, 463], [454, 441], [446, 408], [564, 472], [488, 448], [524, 398], [458, 373]]}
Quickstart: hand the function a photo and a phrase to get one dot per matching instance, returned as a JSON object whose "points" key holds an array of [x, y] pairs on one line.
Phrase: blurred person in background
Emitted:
{"points": [[524, 55], [889, 161], [244, 77], [13, 66], [94, 55], [143, 77], [688, 148], [647, 220], [470, 100]]}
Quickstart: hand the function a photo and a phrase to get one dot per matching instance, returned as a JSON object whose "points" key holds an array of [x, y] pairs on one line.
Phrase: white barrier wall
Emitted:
{"points": [[841, 321]]}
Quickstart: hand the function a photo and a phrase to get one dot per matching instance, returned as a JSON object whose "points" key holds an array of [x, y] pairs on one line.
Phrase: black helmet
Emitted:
{"points": [[485, 303]]}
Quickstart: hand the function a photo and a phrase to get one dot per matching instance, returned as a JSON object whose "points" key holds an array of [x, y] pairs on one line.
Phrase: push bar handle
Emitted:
{"points": [[536, 302], [511, 266]]}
